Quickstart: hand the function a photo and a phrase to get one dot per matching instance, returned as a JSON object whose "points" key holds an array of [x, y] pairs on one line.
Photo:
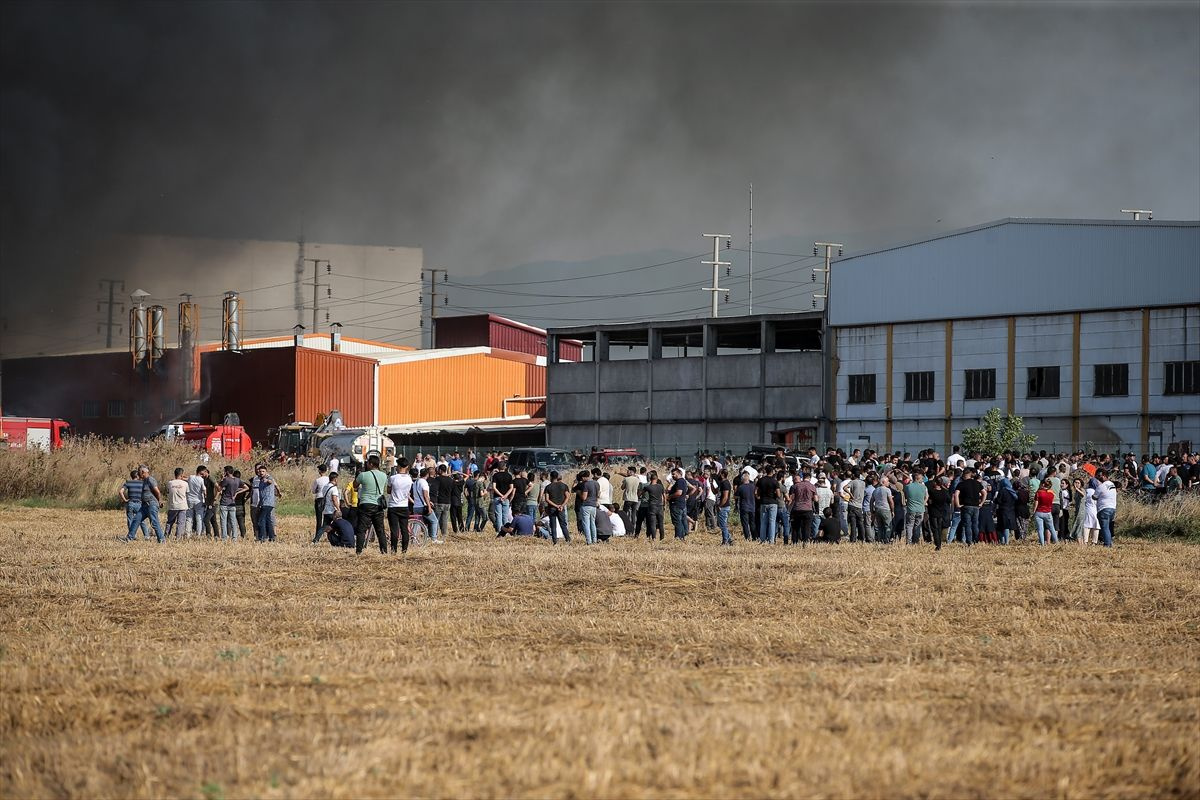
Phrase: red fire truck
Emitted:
{"points": [[230, 441], [33, 433]]}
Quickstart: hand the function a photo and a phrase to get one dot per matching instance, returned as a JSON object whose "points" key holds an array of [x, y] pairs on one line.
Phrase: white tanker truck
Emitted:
{"points": [[356, 445]]}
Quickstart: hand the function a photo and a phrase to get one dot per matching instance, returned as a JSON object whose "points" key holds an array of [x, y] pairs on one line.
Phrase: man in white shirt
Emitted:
{"points": [[618, 524], [318, 496], [956, 460], [331, 506], [399, 501], [196, 496]]}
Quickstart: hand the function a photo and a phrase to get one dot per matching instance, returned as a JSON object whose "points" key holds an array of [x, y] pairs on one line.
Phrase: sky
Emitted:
{"points": [[516, 141]]}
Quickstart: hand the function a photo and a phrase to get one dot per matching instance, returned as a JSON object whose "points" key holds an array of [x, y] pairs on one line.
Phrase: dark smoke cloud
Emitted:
{"points": [[498, 134]]}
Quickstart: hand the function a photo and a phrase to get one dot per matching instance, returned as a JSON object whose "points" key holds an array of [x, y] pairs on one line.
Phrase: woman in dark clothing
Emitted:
{"points": [[939, 509], [1022, 509], [1006, 509], [987, 512]]}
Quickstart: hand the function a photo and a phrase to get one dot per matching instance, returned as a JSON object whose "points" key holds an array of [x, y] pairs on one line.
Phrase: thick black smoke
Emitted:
{"points": [[498, 134]]}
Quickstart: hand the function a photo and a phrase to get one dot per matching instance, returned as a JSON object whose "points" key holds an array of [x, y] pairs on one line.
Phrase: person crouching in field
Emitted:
{"points": [[339, 531]]}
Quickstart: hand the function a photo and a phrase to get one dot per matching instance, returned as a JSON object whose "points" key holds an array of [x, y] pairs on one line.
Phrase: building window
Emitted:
{"points": [[1112, 380], [1043, 382], [116, 408], [981, 384], [862, 388], [1182, 377], [918, 387], [139, 409], [91, 409], [170, 406]]}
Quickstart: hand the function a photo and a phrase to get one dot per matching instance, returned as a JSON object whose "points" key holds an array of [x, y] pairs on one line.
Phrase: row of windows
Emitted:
{"points": [[1109, 380], [115, 409]]}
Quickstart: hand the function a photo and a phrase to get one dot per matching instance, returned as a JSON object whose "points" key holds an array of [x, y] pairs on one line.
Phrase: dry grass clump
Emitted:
{"points": [[500, 668], [1176, 516], [88, 471]]}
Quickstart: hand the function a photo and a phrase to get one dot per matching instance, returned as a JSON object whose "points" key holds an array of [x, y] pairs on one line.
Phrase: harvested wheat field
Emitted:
{"points": [[490, 668]]}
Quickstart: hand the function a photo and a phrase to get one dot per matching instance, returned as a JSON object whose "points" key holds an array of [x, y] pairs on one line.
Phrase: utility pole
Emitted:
{"points": [[317, 262], [828, 256], [112, 304], [717, 263], [750, 280], [828, 393], [433, 301]]}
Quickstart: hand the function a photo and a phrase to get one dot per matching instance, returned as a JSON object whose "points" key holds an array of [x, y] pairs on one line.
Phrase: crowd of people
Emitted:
{"points": [[865, 497]]}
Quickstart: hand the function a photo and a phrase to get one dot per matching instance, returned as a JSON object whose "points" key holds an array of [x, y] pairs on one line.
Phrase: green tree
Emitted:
{"points": [[997, 433]]}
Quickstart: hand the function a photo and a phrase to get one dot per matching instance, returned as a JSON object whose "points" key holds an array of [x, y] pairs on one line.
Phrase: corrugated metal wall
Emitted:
{"points": [[326, 380], [518, 340], [1021, 267], [463, 387]]}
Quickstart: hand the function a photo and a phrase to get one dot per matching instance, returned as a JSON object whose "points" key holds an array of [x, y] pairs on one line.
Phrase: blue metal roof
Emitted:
{"points": [[1021, 266]]}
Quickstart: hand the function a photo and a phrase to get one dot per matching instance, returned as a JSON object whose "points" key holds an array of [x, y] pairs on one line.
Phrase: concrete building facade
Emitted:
{"points": [[674, 387]]}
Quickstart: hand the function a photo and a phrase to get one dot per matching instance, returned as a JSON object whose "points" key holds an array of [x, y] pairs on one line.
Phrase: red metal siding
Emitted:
{"points": [[326, 380], [519, 340], [570, 350]]}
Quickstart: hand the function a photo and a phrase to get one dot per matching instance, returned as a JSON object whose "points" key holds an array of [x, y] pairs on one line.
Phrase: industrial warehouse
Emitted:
{"points": [[484, 387], [1089, 329]]}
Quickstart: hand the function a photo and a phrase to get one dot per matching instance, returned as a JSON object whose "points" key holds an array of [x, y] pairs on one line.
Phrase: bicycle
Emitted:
{"points": [[418, 532]]}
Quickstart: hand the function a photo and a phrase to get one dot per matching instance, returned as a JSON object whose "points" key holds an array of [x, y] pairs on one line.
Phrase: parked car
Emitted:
{"points": [[546, 458], [758, 454], [614, 455]]}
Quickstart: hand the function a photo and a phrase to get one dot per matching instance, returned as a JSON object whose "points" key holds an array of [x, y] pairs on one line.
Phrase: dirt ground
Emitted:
{"points": [[498, 668]]}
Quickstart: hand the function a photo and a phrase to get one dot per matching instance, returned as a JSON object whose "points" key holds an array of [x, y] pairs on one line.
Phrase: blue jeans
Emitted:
{"points": [[1105, 517], [265, 529], [501, 511], [955, 518], [558, 521], [723, 524], [431, 522], [229, 526], [470, 520], [147, 511], [134, 519], [1045, 524], [679, 519], [766, 522], [587, 521], [196, 518], [970, 525]]}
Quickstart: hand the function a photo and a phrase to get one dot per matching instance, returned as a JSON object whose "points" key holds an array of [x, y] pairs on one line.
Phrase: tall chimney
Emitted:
{"points": [[137, 335], [138, 342], [156, 323], [231, 326], [189, 331]]}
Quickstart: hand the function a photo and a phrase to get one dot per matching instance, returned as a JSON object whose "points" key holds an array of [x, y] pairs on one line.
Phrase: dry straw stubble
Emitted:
{"points": [[490, 668]]}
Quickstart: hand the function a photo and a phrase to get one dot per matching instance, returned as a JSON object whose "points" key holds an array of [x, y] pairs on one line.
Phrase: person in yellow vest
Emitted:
{"points": [[350, 502]]}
